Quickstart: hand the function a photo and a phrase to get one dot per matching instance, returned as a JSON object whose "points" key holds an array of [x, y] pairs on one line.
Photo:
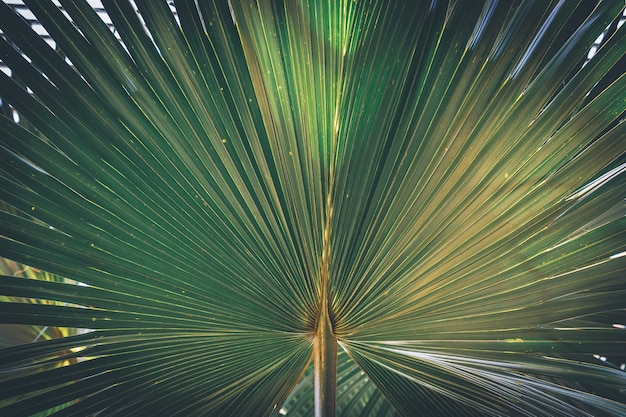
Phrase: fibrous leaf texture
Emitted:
{"points": [[206, 184]]}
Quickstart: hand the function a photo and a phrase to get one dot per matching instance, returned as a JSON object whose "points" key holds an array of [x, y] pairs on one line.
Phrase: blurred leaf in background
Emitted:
{"points": [[21, 334], [15, 334]]}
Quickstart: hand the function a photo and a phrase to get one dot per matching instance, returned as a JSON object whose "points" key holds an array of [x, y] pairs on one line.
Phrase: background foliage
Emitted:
{"points": [[463, 162]]}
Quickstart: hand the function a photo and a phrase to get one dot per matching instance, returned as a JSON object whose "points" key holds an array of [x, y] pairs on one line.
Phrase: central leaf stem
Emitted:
{"points": [[325, 342]]}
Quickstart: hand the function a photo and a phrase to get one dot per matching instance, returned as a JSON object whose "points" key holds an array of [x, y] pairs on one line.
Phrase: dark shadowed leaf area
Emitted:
{"points": [[191, 190]]}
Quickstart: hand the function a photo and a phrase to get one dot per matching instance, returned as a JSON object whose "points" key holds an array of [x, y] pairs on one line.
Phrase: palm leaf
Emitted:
{"points": [[445, 180]]}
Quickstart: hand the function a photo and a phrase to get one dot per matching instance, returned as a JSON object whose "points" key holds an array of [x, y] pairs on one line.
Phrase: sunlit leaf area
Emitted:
{"points": [[187, 187]]}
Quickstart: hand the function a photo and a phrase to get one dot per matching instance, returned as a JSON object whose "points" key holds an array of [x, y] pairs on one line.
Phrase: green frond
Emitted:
{"points": [[198, 183]]}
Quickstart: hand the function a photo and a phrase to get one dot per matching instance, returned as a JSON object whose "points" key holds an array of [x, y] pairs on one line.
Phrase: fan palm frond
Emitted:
{"points": [[240, 196]]}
